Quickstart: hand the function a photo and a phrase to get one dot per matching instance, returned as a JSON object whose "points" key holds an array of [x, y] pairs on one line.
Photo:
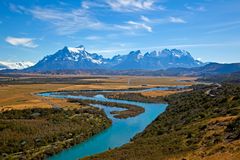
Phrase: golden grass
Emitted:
{"points": [[217, 156], [124, 82], [216, 152], [23, 96], [161, 93]]}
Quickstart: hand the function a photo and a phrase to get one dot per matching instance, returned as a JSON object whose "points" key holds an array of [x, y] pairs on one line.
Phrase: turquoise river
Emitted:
{"points": [[120, 132]]}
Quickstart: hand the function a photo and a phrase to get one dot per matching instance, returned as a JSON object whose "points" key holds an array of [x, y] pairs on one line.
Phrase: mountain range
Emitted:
{"points": [[15, 65], [78, 58]]}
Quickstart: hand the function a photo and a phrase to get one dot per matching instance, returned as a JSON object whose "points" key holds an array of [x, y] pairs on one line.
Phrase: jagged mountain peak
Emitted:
{"points": [[78, 49], [152, 54], [180, 52], [135, 52], [135, 55], [79, 58]]}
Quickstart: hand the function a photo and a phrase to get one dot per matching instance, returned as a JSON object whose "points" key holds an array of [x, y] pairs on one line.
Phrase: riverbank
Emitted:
{"points": [[119, 133], [130, 110], [194, 126]]}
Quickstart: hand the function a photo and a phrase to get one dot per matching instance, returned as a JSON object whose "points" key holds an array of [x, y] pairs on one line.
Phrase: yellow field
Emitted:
{"points": [[161, 93], [23, 96]]}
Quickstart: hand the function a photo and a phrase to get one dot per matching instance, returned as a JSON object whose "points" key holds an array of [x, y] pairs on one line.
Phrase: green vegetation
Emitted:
{"points": [[132, 110], [234, 130], [38, 133], [196, 125], [135, 97], [118, 95], [229, 78]]}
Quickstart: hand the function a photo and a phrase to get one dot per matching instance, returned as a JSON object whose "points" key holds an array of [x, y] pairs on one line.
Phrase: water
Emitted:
{"points": [[121, 131]]}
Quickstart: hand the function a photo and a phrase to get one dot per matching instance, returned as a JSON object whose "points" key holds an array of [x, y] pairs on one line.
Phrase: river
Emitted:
{"points": [[120, 132]]}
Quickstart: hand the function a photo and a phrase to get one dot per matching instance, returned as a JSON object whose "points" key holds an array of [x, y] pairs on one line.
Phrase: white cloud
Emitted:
{"points": [[132, 25], [67, 22], [162, 20], [176, 20], [93, 37], [16, 8], [138, 25], [70, 21], [25, 42], [198, 8], [131, 5], [64, 22], [91, 4], [146, 19], [145, 22]]}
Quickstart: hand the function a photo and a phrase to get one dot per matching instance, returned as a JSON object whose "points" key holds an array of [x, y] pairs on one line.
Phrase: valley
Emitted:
{"points": [[119, 80], [195, 125], [25, 111], [200, 122]]}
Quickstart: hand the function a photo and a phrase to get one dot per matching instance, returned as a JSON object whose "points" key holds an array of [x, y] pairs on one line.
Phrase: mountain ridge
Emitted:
{"points": [[78, 58]]}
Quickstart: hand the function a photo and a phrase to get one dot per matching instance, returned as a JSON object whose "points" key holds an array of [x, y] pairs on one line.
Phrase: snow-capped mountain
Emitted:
{"points": [[157, 60], [70, 58], [2, 66], [15, 65], [170, 59], [77, 58], [131, 61]]}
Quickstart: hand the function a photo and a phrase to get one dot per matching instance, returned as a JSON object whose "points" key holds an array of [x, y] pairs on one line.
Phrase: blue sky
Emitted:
{"points": [[208, 29]]}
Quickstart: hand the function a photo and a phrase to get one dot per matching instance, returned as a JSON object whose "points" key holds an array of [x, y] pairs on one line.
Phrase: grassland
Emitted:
{"points": [[200, 124], [16, 95]]}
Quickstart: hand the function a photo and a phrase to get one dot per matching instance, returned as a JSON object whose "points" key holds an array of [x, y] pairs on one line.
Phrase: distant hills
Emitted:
{"points": [[211, 69], [208, 69], [78, 58], [227, 78], [15, 65]]}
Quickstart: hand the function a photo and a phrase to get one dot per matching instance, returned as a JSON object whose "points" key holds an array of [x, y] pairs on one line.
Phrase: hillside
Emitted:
{"points": [[200, 124], [231, 77]]}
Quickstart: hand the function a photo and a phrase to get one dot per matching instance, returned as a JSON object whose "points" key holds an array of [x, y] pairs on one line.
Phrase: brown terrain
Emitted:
{"points": [[22, 96]]}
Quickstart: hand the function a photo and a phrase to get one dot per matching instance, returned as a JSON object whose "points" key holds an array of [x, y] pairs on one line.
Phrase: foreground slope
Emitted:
{"points": [[38, 133], [200, 124]]}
